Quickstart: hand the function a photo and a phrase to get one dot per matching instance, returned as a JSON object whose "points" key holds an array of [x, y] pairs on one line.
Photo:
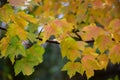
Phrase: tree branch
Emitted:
{"points": [[55, 42], [3, 28], [50, 41]]}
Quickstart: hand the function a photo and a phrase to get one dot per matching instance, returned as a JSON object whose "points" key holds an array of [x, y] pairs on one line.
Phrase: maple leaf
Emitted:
{"points": [[17, 2], [5, 13], [15, 48], [103, 42], [114, 25], [4, 43], [34, 56], [103, 60], [90, 32], [90, 51], [97, 4], [70, 48], [114, 54], [48, 31], [114, 28], [14, 30], [72, 68], [58, 28], [89, 64], [24, 66]]}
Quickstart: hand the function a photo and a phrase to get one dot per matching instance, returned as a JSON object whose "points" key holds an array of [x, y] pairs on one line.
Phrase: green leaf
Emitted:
{"points": [[15, 48], [24, 66], [31, 37], [34, 56]]}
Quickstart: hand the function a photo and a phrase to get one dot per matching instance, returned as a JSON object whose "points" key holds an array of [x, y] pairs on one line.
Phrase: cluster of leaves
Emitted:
{"points": [[88, 32]]}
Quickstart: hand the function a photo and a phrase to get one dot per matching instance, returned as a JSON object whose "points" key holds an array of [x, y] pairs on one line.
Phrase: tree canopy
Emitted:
{"points": [[87, 31]]}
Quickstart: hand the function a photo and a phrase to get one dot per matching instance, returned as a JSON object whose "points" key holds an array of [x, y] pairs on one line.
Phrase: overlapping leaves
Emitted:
{"points": [[98, 22]]}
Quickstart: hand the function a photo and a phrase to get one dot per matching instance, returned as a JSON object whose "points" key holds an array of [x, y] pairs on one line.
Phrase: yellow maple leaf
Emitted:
{"points": [[4, 42], [72, 68]]}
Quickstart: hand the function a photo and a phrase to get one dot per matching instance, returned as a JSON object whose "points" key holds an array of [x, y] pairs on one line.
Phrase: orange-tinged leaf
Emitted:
{"points": [[114, 54], [103, 43], [48, 31], [17, 2], [72, 68], [103, 60], [82, 45], [58, 28], [114, 28], [4, 42], [114, 25], [27, 17], [116, 35], [63, 28], [89, 63], [97, 4], [90, 32]]}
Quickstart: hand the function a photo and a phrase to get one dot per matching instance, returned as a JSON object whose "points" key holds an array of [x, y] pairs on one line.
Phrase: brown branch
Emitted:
{"points": [[49, 41], [55, 42], [3, 28]]}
